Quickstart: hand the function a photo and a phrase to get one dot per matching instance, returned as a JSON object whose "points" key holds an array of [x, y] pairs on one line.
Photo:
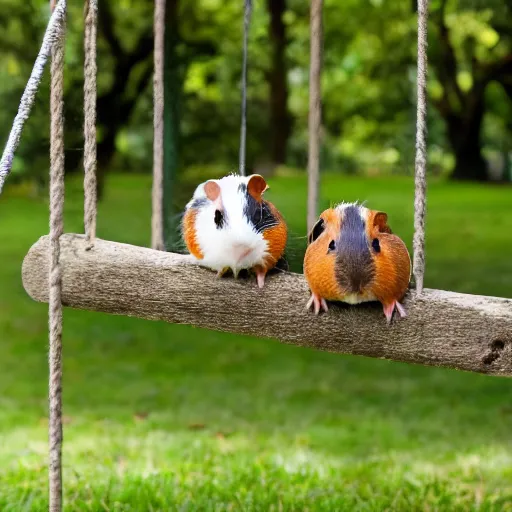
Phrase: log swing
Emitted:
{"points": [[462, 331]]}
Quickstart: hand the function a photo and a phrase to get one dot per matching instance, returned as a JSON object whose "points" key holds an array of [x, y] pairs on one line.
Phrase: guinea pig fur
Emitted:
{"points": [[354, 257], [228, 225]]}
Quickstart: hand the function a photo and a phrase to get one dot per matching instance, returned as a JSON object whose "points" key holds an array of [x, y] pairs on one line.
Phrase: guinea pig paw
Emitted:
{"points": [[318, 303], [260, 277], [401, 309], [390, 308]]}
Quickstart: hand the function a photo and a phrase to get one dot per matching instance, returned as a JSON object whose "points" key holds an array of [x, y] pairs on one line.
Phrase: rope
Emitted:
{"points": [[53, 33], [315, 110], [243, 125], [55, 274], [90, 71], [420, 199], [157, 218]]}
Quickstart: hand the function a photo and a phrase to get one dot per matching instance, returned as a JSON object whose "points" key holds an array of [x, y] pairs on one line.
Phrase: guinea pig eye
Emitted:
{"points": [[332, 245], [219, 218], [376, 245]]}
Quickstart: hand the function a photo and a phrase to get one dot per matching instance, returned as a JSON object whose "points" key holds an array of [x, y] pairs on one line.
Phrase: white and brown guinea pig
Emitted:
{"points": [[228, 225], [354, 257]]}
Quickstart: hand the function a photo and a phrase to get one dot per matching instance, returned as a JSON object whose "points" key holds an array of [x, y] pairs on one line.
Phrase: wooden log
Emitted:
{"points": [[467, 332]]}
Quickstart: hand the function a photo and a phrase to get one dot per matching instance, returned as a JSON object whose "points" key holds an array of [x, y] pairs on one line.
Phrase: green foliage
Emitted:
{"points": [[166, 417], [368, 81]]}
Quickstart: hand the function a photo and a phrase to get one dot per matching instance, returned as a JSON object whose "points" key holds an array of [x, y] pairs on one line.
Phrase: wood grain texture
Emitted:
{"points": [[467, 332]]}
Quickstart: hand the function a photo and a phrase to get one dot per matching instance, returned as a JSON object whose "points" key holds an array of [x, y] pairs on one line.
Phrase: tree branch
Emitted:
{"points": [[144, 79], [124, 59], [142, 50], [501, 70], [106, 23], [467, 332], [507, 87], [447, 66]]}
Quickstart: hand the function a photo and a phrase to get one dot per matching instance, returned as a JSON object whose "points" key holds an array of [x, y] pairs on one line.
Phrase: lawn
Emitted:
{"points": [[166, 417]]}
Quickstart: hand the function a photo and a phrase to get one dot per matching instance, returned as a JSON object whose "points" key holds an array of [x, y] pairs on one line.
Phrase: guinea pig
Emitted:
{"points": [[228, 225], [353, 257]]}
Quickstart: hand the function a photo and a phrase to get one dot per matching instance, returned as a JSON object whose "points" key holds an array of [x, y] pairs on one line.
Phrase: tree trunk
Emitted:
{"points": [[468, 332], [115, 106], [114, 111], [106, 150], [469, 164], [172, 90], [280, 119], [464, 136]]}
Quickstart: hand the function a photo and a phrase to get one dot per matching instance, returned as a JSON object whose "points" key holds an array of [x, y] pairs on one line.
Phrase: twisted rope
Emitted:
{"points": [[55, 273], [315, 110], [420, 199], [157, 218], [243, 124], [53, 33], [90, 71]]}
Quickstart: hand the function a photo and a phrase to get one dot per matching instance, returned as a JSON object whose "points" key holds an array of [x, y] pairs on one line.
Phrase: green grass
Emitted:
{"points": [[166, 417]]}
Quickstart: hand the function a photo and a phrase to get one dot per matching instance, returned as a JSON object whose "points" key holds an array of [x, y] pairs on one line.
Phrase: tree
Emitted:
{"points": [[131, 72], [463, 109], [280, 119], [368, 85], [125, 43]]}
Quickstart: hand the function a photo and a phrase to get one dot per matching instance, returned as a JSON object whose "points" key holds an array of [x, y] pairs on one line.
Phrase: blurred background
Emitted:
{"points": [[167, 417]]}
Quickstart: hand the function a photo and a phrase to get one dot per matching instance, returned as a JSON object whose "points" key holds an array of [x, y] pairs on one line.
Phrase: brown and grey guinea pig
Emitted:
{"points": [[228, 225], [353, 257]]}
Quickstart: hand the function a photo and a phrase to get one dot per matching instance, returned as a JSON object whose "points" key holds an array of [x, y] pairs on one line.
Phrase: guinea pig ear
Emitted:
{"points": [[317, 230], [256, 186], [212, 190], [380, 220]]}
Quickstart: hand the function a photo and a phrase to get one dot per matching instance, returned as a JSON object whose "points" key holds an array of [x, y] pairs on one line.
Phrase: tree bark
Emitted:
{"points": [[464, 136], [114, 111], [462, 111], [115, 106], [280, 119], [457, 330]]}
